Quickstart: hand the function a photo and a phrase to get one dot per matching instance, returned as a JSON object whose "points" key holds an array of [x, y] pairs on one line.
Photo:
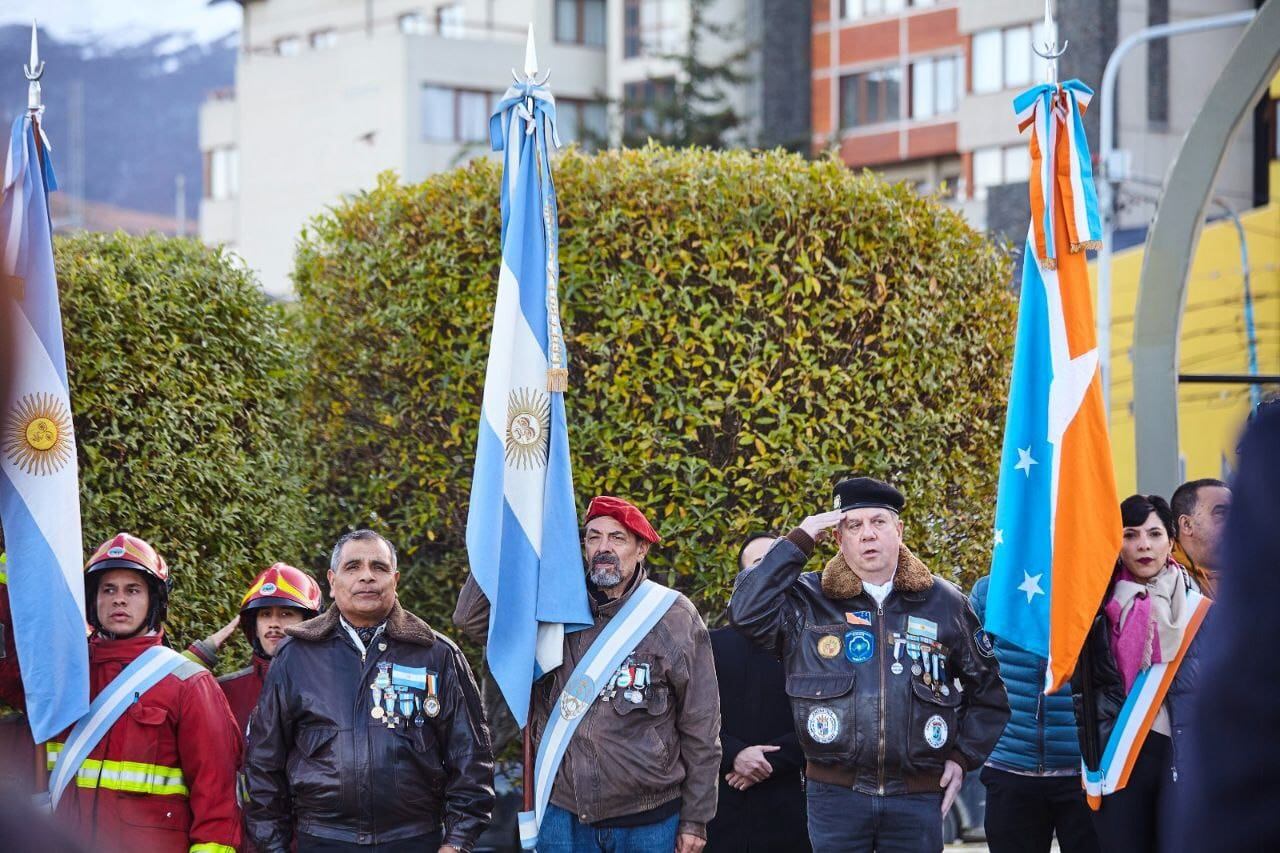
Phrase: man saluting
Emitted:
{"points": [[894, 687]]}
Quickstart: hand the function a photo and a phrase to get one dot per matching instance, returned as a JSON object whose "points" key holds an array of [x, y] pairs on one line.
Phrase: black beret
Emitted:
{"points": [[860, 492]]}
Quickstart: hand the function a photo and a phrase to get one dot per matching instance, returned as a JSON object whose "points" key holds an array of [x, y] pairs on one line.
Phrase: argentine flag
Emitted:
{"points": [[39, 491], [522, 526]]}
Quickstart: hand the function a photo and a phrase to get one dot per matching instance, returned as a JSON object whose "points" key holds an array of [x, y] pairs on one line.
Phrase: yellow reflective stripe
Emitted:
{"points": [[210, 847], [133, 776]]}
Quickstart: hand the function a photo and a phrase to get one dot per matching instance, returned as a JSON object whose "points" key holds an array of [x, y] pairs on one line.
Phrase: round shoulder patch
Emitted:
{"points": [[982, 640]]}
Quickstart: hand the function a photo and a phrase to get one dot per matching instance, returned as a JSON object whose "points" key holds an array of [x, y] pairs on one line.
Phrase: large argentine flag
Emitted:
{"points": [[39, 495], [1057, 516], [522, 528]]}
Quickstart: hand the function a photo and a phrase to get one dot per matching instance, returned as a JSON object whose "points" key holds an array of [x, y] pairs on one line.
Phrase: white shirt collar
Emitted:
{"points": [[879, 591]]}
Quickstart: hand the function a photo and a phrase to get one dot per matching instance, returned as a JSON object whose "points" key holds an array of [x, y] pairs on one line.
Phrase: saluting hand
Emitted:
{"points": [[817, 526], [218, 637]]}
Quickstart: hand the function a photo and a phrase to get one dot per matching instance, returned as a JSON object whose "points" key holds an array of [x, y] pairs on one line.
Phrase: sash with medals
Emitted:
{"points": [[1139, 712], [593, 674]]}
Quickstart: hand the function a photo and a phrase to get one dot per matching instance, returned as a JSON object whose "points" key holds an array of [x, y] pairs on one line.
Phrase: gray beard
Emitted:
{"points": [[605, 574]]}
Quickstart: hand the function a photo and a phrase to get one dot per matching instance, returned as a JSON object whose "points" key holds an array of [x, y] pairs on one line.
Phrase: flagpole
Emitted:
{"points": [[33, 71]]}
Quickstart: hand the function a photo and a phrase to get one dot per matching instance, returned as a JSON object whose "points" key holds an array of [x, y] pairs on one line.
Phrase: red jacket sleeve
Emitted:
{"points": [[11, 692], [209, 747]]}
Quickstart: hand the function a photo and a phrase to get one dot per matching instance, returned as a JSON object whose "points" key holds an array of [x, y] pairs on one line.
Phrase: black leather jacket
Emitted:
{"points": [[317, 759], [863, 721]]}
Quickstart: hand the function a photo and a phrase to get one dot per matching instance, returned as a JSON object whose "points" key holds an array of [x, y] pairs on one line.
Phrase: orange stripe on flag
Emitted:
{"points": [[1087, 528]]}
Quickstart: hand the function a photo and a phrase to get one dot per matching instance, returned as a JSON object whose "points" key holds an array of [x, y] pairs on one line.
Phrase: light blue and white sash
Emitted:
{"points": [[137, 678], [646, 606]]}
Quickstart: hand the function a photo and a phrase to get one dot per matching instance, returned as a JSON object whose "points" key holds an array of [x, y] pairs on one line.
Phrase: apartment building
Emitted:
{"points": [[331, 92], [921, 90]]}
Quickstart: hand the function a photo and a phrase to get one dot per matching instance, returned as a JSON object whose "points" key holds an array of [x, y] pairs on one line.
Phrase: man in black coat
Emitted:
{"points": [[761, 805], [1231, 784]]}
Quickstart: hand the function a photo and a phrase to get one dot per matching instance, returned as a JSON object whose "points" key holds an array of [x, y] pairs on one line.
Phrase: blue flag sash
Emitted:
{"points": [[646, 606]]}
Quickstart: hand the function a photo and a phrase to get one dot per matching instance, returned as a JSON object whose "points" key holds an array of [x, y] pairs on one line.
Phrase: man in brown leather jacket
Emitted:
{"points": [[641, 770], [895, 691]]}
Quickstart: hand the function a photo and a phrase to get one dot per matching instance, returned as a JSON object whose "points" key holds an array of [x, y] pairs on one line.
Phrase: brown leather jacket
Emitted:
{"points": [[636, 749]]}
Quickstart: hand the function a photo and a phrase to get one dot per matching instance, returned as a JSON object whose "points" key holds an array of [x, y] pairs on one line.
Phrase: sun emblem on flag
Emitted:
{"points": [[37, 434], [528, 428]]}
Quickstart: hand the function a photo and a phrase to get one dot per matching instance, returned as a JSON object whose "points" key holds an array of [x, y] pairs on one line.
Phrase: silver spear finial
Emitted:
{"points": [[1050, 50], [34, 71], [531, 63]]}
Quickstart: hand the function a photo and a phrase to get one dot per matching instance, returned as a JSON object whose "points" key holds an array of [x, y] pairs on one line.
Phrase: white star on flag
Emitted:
{"points": [[1031, 585], [1025, 461], [999, 537]]}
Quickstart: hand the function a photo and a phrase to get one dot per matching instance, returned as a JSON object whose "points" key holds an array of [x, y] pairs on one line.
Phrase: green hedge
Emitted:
{"points": [[184, 390], [744, 330]]}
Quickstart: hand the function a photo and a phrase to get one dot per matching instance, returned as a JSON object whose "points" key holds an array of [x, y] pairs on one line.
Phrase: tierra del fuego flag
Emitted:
{"points": [[1057, 515]]}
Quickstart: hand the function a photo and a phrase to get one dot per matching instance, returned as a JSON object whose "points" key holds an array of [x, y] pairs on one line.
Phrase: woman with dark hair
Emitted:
{"points": [[1129, 707]]}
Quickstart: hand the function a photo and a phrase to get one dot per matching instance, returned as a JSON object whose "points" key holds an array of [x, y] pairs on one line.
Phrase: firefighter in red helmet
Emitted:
{"points": [[162, 778], [280, 596]]}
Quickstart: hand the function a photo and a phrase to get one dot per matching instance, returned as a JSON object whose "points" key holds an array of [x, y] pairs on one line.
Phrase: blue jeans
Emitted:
{"points": [[562, 832], [842, 820]]}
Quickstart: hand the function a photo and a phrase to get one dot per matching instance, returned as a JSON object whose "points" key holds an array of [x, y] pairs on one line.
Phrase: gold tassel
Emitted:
{"points": [[1093, 245], [558, 380], [1049, 263]]}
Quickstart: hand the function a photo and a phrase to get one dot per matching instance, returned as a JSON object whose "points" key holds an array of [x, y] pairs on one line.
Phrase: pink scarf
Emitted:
{"points": [[1146, 620]]}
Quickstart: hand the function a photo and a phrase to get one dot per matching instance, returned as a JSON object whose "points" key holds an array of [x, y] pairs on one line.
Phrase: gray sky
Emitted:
{"points": [[119, 22]]}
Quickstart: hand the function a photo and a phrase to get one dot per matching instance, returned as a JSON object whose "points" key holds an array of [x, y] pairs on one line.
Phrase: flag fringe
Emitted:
{"points": [[1087, 245], [558, 380]]}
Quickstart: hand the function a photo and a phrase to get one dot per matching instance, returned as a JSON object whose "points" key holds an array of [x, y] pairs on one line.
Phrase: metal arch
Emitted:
{"points": [[1162, 288]]}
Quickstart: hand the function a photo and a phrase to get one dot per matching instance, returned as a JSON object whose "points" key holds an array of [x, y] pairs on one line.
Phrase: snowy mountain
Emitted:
{"points": [[121, 115]]}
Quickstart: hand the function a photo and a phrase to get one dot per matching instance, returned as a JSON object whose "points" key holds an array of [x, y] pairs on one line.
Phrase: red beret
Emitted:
{"points": [[624, 513]]}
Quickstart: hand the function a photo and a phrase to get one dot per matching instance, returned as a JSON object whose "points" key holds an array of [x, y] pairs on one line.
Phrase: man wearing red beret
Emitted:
{"points": [[640, 771]]}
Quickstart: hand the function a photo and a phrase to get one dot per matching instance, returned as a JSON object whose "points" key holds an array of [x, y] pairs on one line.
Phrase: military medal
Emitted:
{"points": [[946, 691], [431, 704], [406, 704], [376, 712], [389, 702], [418, 719], [383, 679], [896, 669]]}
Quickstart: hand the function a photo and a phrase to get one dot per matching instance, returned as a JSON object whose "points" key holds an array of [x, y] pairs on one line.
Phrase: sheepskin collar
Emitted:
{"points": [[402, 626], [839, 581]]}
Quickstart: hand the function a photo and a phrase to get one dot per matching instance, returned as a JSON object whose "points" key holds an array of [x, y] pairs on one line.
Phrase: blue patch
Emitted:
{"points": [[859, 645]]}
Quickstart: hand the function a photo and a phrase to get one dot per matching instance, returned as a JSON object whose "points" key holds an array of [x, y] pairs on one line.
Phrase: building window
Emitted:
{"points": [[323, 39], [455, 115], [584, 122], [995, 166], [852, 10], [288, 46], [414, 24], [653, 27], [872, 97], [640, 113], [1003, 59], [222, 173], [580, 22], [450, 21], [935, 86]]}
